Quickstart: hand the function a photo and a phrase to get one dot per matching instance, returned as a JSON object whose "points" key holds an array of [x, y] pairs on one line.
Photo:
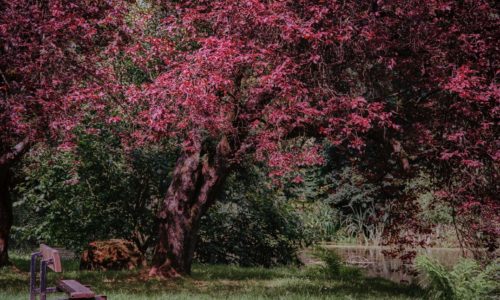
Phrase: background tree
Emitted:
{"points": [[47, 48], [444, 59]]}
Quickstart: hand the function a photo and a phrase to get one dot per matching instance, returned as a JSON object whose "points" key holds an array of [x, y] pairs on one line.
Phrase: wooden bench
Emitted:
{"points": [[50, 258]]}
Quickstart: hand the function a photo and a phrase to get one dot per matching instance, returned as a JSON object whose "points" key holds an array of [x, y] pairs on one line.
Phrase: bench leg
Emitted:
{"points": [[34, 256], [43, 283]]}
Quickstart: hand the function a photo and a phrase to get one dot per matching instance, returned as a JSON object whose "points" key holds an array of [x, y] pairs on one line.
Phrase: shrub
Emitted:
{"points": [[98, 191]]}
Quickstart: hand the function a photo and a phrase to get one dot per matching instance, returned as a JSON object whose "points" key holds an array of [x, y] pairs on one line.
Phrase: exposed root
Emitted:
{"points": [[165, 271]]}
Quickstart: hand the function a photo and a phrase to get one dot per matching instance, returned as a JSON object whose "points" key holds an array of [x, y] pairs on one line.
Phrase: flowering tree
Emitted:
{"points": [[47, 49], [266, 79]]}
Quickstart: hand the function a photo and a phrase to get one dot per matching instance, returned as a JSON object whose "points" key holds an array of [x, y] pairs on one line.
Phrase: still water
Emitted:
{"points": [[375, 263]]}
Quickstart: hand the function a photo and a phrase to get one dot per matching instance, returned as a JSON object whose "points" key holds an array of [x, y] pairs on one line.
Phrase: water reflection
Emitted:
{"points": [[375, 263]]}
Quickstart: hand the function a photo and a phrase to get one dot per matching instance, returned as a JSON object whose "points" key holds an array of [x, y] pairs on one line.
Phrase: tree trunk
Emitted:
{"points": [[196, 180], [6, 161], [5, 215]]}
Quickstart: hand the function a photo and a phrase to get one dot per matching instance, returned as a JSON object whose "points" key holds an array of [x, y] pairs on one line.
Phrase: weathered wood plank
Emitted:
{"points": [[51, 253], [75, 290]]}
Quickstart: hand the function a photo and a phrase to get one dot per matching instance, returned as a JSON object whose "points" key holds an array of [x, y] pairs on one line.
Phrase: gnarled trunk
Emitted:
{"points": [[196, 180], [5, 215]]}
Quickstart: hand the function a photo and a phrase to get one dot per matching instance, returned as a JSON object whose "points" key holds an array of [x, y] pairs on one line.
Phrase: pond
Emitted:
{"points": [[375, 263]]}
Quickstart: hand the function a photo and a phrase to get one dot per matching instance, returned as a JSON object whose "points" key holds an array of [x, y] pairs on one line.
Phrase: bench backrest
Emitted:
{"points": [[51, 254]]}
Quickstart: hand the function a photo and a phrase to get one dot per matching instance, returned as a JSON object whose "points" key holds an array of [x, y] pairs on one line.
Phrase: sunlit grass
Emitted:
{"points": [[215, 282]]}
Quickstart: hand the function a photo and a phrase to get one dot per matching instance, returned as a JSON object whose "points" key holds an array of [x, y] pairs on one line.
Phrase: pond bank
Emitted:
{"points": [[375, 264]]}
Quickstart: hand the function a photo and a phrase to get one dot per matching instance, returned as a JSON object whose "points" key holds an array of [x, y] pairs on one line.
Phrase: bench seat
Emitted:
{"points": [[75, 290]]}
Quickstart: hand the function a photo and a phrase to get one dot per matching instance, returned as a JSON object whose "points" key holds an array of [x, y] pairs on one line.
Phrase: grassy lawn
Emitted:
{"points": [[215, 282]]}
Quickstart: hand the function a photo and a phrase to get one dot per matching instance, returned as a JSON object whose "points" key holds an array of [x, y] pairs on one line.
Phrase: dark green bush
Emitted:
{"points": [[98, 191]]}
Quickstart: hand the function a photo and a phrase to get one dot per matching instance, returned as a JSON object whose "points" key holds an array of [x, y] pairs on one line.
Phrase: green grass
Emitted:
{"points": [[216, 282]]}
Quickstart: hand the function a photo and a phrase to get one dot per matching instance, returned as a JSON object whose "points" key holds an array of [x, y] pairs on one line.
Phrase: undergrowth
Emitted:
{"points": [[467, 280]]}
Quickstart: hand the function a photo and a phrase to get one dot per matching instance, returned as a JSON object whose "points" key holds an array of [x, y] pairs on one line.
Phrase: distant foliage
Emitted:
{"points": [[321, 221], [252, 225], [338, 201], [343, 204], [360, 206], [467, 281]]}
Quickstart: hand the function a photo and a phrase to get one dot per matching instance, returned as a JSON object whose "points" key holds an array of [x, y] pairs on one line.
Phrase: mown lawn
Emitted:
{"points": [[216, 282]]}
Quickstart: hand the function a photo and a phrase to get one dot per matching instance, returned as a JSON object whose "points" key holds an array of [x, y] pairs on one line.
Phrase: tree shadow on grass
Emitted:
{"points": [[306, 282], [363, 288], [230, 272]]}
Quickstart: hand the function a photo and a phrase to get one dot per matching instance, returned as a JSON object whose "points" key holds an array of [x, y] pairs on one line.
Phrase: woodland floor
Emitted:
{"points": [[216, 282]]}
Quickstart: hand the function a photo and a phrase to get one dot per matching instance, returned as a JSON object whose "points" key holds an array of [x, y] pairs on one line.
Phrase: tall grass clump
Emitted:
{"points": [[467, 280], [333, 263]]}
